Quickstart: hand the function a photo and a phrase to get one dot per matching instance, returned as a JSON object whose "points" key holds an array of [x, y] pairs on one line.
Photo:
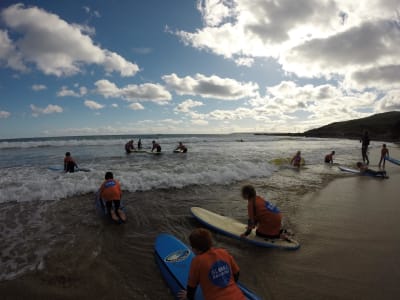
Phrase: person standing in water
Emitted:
{"points": [[329, 157], [364, 147], [384, 154], [296, 160]]}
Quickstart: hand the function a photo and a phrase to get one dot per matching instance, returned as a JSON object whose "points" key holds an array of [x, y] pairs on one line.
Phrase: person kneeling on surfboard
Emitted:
{"points": [[69, 163], [110, 192], [263, 215], [156, 146], [364, 170], [213, 268]]}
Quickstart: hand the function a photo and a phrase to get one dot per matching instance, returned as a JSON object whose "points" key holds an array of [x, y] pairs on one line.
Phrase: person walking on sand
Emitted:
{"points": [[263, 215], [110, 192], [214, 269], [364, 147], [296, 160], [329, 158], [384, 154], [69, 163]]}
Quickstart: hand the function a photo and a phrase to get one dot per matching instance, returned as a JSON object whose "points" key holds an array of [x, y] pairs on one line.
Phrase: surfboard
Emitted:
{"points": [[393, 160], [355, 171], [61, 169], [102, 211], [173, 258], [285, 161], [233, 228]]}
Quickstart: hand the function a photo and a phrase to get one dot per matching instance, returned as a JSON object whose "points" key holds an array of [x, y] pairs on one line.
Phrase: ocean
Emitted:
{"points": [[53, 239]]}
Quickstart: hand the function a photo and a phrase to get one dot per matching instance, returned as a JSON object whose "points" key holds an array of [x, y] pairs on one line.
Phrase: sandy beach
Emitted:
{"points": [[349, 234]]}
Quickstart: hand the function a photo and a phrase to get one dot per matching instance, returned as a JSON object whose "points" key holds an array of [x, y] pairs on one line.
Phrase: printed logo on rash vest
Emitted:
{"points": [[110, 183], [220, 274], [271, 207]]}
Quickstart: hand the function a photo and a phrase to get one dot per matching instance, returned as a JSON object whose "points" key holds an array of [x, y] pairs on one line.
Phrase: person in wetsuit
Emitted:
{"points": [[156, 146], [110, 192], [69, 163]]}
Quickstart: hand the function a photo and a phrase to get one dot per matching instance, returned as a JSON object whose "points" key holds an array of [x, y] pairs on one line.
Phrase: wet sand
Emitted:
{"points": [[349, 232]]}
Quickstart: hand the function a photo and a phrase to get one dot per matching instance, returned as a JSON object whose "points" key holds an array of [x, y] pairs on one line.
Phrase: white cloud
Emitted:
{"points": [[39, 87], [4, 114], [55, 46], [210, 87], [391, 101], [136, 106], [66, 92], [187, 105], [49, 109], [132, 92], [8, 53], [114, 105], [199, 122], [93, 104]]}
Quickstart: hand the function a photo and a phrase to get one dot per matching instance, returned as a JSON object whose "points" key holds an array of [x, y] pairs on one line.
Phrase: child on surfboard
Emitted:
{"points": [[69, 163], [263, 215], [213, 268], [110, 192], [296, 160], [364, 170]]}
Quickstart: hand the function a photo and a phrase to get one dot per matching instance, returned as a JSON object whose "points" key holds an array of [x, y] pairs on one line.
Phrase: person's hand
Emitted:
{"points": [[182, 295]]}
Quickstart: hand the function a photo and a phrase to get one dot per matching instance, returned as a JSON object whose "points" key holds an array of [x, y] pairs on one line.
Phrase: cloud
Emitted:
{"points": [[187, 105], [114, 105], [382, 78], [49, 109], [54, 46], [143, 92], [9, 54], [309, 38], [66, 92], [136, 106], [39, 87], [4, 114], [210, 87], [199, 122], [93, 104], [391, 101]]}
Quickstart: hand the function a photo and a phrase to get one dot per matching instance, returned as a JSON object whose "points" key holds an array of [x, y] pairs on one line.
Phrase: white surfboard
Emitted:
{"points": [[234, 229]]}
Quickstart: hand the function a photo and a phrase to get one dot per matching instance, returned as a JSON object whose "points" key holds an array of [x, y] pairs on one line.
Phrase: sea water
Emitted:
{"points": [[45, 213]]}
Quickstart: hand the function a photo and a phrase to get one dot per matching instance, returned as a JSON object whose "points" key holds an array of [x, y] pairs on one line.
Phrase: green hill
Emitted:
{"points": [[384, 127]]}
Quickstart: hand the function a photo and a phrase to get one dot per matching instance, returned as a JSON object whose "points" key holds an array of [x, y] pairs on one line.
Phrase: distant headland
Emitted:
{"points": [[383, 127]]}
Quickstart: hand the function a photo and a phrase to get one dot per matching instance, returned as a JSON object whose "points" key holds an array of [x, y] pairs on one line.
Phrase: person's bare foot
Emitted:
{"points": [[114, 216], [122, 215]]}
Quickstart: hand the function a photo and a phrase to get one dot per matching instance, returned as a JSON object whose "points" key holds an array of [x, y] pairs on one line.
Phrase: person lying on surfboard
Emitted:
{"points": [[181, 148], [69, 163], [213, 268], [296, 160], [110, 192], [364, 170], [263, 215]]}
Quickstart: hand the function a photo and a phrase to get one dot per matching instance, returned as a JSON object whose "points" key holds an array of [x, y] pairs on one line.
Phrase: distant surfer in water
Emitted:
{"points": [[181, 148], [364, 170], [139, 144], [263, 215], [110, 192], [329, 157], [129, 147], [156, 146], [213, 268], [296, 160], [69, 163]]}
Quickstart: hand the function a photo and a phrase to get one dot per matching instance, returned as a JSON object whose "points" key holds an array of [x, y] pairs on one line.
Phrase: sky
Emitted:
{"points": [[209, 66]]}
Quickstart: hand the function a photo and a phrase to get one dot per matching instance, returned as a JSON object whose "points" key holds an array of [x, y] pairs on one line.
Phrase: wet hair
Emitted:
{"points": [[153, 142], [109, 175], [384, 145], [67, 154], [248, 191], [200, 239], [333, 152], [359, 164]]}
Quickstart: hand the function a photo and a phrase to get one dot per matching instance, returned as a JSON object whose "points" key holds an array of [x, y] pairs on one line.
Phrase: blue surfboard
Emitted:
{"points": [[355, 171], [393, 160], [173, 258]]}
